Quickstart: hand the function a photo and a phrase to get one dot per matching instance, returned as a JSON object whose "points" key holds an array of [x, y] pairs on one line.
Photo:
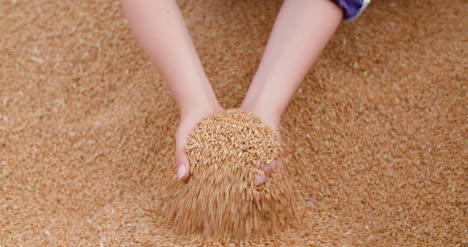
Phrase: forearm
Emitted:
{"points": [[160, 29], [301, 31]]}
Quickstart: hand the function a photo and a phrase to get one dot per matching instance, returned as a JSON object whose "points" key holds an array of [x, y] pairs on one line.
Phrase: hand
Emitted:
{"points": [[272, 120], [188, 121]]}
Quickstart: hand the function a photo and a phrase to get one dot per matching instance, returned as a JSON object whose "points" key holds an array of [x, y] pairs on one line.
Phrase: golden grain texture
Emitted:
{"points": [[380, 156]]}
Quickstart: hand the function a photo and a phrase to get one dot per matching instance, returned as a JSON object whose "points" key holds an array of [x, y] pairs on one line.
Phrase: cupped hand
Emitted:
{"points": [[187, 124], [272, 120], [269, 167]]}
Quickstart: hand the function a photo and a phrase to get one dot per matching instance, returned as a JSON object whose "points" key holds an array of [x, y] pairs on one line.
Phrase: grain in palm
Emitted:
{"points": [[226, 152]]}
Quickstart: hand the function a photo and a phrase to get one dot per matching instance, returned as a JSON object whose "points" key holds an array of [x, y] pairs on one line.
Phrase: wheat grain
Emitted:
{"points": [[220, 199]]}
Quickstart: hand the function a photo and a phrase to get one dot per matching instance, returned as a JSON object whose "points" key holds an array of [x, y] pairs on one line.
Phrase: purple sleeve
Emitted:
{"points": [[352, 8]]}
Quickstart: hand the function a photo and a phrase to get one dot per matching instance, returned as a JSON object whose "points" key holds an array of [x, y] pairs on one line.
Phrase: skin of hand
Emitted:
{"points": [[300, 33]]}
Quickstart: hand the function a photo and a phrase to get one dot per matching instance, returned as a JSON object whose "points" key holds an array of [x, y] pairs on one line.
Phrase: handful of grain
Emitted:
{"points": [[226, 152]]}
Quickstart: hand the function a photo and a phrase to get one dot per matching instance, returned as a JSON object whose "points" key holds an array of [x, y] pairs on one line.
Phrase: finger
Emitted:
{"points": [[261, 179], [183, 164], [268, 168]]}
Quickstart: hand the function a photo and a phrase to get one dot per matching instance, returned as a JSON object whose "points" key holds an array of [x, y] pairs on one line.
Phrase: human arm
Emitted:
{"points": [[300, 33], [160, 29]]}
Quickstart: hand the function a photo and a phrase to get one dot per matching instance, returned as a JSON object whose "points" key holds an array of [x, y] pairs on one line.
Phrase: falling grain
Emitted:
{"points": [[226, 152]]}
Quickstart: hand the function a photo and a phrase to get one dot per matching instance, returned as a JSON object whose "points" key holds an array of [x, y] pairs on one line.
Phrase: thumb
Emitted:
{"points": [[267, 169], [183, 164]]}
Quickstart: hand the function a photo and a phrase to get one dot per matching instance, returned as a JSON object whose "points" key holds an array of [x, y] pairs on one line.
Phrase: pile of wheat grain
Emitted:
{"points": [[220, 199]]}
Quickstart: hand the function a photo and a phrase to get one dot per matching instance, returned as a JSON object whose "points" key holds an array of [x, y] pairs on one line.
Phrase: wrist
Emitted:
{"points": [[199, 107], [268, 114]]}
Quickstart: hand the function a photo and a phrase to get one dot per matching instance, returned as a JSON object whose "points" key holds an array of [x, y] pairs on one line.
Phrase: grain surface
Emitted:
{"points": [[376, 135]]}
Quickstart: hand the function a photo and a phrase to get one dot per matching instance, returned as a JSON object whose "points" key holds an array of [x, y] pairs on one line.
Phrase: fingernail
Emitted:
{"points": [[181, 171], [260, 180]]}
